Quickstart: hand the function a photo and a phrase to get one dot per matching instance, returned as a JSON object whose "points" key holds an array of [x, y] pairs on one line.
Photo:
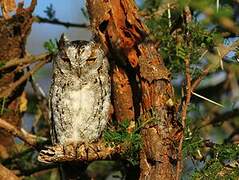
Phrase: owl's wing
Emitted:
{"points": [[51, 117]]}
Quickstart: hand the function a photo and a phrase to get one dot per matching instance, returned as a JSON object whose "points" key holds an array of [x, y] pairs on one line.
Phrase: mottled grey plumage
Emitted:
{"points": [[80, 92]]}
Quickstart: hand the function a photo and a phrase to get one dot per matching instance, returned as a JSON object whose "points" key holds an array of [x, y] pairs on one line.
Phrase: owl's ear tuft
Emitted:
{"points": [[63, 41]]}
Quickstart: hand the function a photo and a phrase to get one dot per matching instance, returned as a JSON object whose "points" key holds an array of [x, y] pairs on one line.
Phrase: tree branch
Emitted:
{"points": [[11, 87], [200, 78], [184, 114], [188, 19], [219, 118], [224, 50], [28, 138], [55, 21]]}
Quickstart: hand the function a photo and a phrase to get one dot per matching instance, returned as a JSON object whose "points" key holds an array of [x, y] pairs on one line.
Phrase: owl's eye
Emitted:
{"points": [[65, 59]]}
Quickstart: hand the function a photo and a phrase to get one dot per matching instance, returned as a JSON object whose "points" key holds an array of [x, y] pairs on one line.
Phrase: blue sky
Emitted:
{"points": [[69, 11]]}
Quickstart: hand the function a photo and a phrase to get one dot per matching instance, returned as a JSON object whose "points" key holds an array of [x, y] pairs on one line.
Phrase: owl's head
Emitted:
{"points": [[77, 55]]}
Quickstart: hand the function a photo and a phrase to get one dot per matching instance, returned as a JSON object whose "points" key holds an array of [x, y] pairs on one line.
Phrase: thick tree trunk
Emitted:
{"points": [[13, 34], [141, 84]]}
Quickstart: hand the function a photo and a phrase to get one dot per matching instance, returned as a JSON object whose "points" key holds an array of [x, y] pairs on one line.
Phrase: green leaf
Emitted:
{"points": [[51, 46]]}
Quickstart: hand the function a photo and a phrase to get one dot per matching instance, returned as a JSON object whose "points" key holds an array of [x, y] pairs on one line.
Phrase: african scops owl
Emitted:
{"points": [[79, 96]]}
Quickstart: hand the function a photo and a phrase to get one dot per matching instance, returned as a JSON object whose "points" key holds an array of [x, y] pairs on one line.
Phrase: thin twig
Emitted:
{"points": [[209, 100], [188, 91], [200, 78], [217, 5], [220, 118], [32, 5], [41, 97], [203, 54], [223, 52], [58, 22], [161, 9], [220, 58], [169, 16], [184, 115], [188, 18], [28, 138], [12, 87]]}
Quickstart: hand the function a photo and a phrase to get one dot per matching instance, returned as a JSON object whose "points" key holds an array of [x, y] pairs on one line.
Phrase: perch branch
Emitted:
{"points": [[82, 152], [28, 138]]}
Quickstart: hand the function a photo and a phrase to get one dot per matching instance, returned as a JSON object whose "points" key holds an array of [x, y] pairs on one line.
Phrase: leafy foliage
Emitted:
{"points": [[50, 12], [205, 143], [174, 46], [130, 141], [223, 163], [51, 46]]}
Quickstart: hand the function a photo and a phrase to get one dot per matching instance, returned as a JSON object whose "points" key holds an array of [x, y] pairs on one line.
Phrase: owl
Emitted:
{"points": [[79, 97]]}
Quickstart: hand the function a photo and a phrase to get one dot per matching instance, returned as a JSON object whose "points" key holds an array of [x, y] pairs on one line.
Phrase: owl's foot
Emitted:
{"points": [[58, 153], [77, 152]]}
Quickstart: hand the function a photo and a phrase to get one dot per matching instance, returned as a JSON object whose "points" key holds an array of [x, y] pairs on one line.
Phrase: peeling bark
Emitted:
{"points": [[123, 104], [136, 63], [119, 29]]}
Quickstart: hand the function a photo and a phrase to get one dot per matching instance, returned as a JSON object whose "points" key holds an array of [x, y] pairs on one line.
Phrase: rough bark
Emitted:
{"points": [[141, 84], [13, 34]]}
